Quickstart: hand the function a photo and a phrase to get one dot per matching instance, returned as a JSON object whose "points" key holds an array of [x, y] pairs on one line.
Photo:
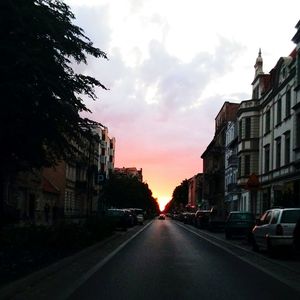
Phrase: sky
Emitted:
{"points": [[171, 66]]}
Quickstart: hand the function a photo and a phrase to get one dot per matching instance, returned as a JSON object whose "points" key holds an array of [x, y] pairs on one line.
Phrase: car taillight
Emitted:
{"points": [[279, 230]]}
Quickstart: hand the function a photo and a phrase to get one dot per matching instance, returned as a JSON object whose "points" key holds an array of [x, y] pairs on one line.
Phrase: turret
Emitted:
{"points": [[258, 65]]}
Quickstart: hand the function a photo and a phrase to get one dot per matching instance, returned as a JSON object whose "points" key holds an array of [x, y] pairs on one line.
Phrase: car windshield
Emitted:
{"points": [[290, 216], [115, 212], [241, 216]]}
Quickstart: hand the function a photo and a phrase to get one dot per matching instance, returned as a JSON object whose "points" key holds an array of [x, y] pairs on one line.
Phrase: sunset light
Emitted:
{"points": [[150, 149], [162, 201]]}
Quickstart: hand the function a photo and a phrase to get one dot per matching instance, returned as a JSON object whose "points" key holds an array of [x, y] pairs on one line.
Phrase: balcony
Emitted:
{"points": [[232, 187], [233, 160]]}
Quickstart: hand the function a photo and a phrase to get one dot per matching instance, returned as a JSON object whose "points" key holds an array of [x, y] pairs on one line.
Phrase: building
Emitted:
{"points": [[279, 169], [70, 190], [195, 191], [106, 153], [214, 160], [232, 190]]}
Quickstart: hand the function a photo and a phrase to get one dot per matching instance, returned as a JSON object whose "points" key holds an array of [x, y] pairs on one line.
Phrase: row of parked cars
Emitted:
{"points": [[201, 219], [123, 218], [277, 227]]}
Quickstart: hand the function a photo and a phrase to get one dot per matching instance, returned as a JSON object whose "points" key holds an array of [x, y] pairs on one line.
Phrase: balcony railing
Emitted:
{"points": [[232, 187], [233, 160]]}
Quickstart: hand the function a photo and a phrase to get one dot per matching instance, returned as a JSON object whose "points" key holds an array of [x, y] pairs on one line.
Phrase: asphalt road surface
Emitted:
{"points": [[165, 261]]}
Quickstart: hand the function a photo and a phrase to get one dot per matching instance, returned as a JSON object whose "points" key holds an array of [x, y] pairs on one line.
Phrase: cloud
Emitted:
{"points": [[160, 108]]}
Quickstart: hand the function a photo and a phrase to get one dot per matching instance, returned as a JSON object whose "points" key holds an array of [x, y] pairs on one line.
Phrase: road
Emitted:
{"points": [[168, 261]]}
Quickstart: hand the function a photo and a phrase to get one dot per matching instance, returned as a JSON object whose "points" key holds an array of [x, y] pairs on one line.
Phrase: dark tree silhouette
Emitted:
{"points": [[179, 197], [128, 192], [41, 94], [40, 121]]}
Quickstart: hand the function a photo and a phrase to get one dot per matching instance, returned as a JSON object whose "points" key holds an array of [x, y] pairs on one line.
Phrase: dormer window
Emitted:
{"points": [[283, 74]]}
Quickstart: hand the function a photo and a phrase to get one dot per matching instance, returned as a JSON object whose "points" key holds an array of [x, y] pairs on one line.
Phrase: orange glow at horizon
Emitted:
{"points": [[162, 201]]}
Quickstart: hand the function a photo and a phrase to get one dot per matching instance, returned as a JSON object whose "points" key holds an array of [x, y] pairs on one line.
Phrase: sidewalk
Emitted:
{"points": [[48, 283]]}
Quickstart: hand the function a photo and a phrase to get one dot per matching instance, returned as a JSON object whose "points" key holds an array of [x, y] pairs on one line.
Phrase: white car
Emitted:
{"points": [[275, 228]]}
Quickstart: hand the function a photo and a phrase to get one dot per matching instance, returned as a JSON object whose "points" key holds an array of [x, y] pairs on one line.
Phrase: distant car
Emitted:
{"points": [[161, 217], [239, 223], [275, 229]]}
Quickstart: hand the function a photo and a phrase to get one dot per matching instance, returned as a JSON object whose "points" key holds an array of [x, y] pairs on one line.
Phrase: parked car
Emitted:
{"points": [[138, 215], [275, 229], [130, 217], [216, 220], [239, 223], [296, 236], [140, 218], [202, 218], [118, 217], [188, 218]]}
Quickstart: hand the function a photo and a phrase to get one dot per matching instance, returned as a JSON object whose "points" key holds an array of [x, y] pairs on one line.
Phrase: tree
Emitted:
{"points": [[122, 191], [179, 196], [41, 94]]}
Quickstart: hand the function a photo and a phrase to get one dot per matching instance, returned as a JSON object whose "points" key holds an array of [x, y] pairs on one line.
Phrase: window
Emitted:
{"points": [[267, 158], [288, 103], [283, 73], [279, 111], [268, 121], [278, 152], [298, 67], [240, 129], [298, 130], [266, 218], [248, 128], [247, 164], [287, 147], [275, 216]]}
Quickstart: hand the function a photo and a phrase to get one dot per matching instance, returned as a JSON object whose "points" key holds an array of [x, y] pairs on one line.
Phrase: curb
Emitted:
{"points": [[244, 249], [12, 288]]}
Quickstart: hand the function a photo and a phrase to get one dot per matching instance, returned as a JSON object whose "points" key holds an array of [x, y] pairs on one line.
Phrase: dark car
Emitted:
{"points": [[202, 218], [118, 217], [296, 236], [239, 223]]}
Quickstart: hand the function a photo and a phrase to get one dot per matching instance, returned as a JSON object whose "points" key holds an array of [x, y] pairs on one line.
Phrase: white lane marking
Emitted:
{"points": [[69, 291], [278, 277]]}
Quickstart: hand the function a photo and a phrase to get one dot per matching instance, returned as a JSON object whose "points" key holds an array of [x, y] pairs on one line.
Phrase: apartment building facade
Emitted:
{"points": [[232, 190], [269, 130], [214, 160], [195, 184], [70, 190]]}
